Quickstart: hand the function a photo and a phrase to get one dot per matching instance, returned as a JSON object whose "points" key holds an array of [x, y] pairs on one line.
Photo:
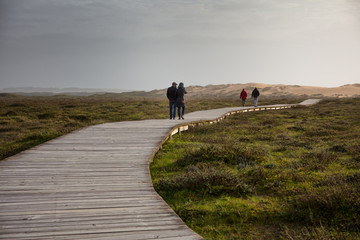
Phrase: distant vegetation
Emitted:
{"points": [[284, 174], [28, 121]]}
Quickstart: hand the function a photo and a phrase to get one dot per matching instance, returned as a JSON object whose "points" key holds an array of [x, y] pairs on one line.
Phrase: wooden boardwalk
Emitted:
{"points": [[95, 183]]}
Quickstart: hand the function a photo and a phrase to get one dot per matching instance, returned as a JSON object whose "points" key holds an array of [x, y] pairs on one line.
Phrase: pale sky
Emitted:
{"points": [[147, 44]]}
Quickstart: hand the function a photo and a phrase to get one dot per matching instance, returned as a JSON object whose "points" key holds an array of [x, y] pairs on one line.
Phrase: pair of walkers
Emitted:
{"points": [[176, 100], [255, 94]]}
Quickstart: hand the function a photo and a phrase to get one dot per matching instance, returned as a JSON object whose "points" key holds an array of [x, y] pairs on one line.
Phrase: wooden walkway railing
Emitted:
{"points": [[95, 183]]}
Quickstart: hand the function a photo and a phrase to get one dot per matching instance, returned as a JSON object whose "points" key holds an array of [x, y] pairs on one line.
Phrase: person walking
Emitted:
{"points": [[180, 101], [243, 96], [255, 94], [171, 95]]}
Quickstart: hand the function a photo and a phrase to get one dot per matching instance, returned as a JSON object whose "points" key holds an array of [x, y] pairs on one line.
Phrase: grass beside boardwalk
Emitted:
{"points": [[28, 121], [284, 174]]}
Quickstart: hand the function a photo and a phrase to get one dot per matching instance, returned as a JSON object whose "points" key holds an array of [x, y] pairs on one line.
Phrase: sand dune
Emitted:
{"points": [[223, 90], [268, 90]]}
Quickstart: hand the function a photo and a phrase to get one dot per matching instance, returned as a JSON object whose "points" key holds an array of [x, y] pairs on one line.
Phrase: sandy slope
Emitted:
{"points": [[230, 90]]}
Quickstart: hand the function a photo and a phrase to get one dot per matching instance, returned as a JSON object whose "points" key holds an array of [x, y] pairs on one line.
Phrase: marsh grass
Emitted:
{"points": [[285, 174], [28, 121]]}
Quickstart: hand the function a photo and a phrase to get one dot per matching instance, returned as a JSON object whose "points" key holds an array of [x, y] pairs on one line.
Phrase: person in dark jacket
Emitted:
{"points": [[171, 95], [255, 94], [243, 96], [180, 101]]}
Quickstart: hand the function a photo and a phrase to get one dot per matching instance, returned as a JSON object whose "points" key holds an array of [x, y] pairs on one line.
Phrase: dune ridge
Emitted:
{"points": [[269, 90]]}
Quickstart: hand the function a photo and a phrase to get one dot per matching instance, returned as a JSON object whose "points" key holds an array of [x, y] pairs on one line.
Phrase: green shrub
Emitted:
{"points": [[228, 154], [338, 148], [205, 178], [82, 118], [46, 115], [10, 114], [332, 205], [316, 161], [317, 233]]}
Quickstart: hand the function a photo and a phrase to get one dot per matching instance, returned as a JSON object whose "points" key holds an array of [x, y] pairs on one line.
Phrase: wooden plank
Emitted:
{"points": [[75, 230], [132, 235], [29, 217], [84, 218]]}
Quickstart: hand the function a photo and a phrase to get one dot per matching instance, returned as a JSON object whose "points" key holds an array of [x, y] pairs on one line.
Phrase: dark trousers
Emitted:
{"points": [[183, 111], [172, 105]]}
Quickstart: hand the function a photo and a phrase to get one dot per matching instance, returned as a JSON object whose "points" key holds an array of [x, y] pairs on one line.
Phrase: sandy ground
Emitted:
{"points": [[229, 90]]}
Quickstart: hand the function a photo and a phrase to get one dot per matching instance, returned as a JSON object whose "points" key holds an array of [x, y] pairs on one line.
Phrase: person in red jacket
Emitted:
{"points": [[243, 96]]}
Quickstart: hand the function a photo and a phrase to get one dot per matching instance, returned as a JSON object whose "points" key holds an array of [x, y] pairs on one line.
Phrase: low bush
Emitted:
{"points": [[46, 115], [317, 160], [332, 206], [232, 155], [205, 178], [316, 233]]}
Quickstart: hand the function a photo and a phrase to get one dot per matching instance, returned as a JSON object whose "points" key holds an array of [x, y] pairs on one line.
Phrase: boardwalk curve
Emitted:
{"points": [[94, 183]]}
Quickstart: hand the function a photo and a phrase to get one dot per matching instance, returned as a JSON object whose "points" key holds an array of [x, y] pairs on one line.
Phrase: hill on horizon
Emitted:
{"points": [[269, 90], [39, 91], [213, 91]]}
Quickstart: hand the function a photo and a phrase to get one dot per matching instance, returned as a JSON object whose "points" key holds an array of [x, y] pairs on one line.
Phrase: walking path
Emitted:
{"points": [[95, 183]]}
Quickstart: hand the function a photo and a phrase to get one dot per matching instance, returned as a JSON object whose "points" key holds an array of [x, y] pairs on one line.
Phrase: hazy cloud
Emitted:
{"points": [[142, 44]]}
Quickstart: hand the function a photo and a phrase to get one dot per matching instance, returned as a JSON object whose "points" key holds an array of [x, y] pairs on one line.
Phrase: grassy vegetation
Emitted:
{"points": [[285, 174], [28, 121]]}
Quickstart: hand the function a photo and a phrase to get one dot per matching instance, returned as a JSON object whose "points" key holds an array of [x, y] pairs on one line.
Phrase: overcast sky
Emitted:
{"points": [[147, 44]]}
